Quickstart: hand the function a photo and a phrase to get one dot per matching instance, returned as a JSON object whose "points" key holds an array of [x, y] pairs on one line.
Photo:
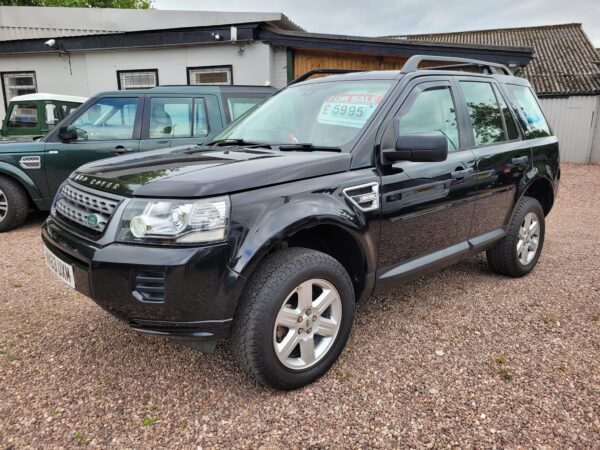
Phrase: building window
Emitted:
{"points": [[18, 83], [210, 75], [137, 79]]}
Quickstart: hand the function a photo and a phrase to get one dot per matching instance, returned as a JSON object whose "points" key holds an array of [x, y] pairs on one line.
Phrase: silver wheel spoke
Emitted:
{"points": [[287, 318], [524, 253], [289, 343], [307, 350], [522, 233], [534, 230], [533, 245], [527, 222], [327, 327], [295, 328], [305, 295], [324, 300]]}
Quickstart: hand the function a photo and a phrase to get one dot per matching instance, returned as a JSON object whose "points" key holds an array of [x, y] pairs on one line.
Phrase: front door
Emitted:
{"points": [[106, 128], [427, 207]]}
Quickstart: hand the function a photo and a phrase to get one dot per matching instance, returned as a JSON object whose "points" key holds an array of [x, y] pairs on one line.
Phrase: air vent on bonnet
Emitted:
{"points": [[364, 196]]}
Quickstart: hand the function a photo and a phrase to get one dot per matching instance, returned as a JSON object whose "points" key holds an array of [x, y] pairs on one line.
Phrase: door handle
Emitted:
{"points": [[520, 160], [119, 150], [460, 174]]}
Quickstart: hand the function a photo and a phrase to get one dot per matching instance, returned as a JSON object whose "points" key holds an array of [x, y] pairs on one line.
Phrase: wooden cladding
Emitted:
{"points": [[305, 60]]}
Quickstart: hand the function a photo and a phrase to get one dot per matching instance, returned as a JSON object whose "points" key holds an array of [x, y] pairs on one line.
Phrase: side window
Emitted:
{"points": [[432, 110], [51, 114], [110, 118], [485, 113], [23, 115], [237, 106], [528, 111], [170, 117], [511, 126], [200, 119]]}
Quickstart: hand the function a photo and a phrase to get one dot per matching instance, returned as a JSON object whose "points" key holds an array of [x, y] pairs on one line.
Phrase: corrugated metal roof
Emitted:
{"points": [[29, 22], [19, 33], [565, 61]]}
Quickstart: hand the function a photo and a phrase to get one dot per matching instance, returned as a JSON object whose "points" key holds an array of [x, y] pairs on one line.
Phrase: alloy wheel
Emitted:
{"points": [[3, 205], [307, 324], [529, 238]]}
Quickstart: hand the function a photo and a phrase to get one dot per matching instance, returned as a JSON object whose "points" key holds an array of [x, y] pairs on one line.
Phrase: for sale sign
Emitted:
{"points": [[348, 110]]}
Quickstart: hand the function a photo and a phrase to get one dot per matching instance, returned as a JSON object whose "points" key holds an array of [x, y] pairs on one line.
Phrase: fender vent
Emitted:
{"points": [[149, 287], [364, 196], [31, 162]]}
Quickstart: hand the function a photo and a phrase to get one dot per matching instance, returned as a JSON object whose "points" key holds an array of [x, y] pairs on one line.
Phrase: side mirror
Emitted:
{"points": [[418, 147], [67, 133]]}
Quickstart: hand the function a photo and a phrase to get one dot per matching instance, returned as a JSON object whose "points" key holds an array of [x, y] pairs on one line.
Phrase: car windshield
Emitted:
{"points": [[328, 114]]}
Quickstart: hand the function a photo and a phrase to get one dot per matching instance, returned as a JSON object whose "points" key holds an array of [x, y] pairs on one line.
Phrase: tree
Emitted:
{"points": [[132, 4]]}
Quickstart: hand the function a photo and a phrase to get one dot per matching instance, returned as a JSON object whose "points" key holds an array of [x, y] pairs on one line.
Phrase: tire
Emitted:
{"points": [[271, 297], [507, 256], [14, 204]]}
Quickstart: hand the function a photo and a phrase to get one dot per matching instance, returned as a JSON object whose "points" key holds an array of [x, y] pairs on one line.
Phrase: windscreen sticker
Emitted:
{"points": [[348, 110]]}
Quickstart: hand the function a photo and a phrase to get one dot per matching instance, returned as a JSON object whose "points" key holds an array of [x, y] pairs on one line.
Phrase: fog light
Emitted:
{"points": [[138, 227]]}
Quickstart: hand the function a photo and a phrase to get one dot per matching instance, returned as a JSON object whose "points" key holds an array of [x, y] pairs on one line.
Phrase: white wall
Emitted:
{"points": [[575, 121], [96, 71]]}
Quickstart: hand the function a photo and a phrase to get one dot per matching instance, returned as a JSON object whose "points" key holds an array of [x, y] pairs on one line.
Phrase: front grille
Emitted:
{"points": [[90, 211], [149, 286]]}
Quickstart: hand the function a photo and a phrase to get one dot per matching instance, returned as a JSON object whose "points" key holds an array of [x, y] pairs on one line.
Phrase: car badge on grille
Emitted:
{"points": [[92, 220]]}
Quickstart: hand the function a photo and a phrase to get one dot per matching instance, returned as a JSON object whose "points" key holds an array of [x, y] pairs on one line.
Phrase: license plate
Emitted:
{"points": [[60, 268]]}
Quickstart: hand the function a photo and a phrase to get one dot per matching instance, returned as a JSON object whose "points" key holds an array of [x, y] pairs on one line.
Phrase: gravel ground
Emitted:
{"points": [[459, 358]]}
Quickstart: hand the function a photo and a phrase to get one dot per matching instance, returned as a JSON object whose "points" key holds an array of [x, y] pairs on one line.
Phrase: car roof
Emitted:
{"points": [[397, 74], [43, 96], [196, 89]]}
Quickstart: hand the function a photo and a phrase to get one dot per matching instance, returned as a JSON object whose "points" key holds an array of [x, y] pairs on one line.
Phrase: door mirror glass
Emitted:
{"points": [[418, 147], [67, 133]]}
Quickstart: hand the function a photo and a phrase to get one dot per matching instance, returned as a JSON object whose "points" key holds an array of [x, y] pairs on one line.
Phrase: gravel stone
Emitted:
{"points": [[524, 370]]}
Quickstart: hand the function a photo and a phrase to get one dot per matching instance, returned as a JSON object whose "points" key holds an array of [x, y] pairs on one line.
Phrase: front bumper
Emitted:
{"points": [[181, 292]]}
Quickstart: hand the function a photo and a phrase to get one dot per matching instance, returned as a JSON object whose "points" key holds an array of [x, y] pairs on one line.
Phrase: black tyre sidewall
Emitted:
{"points": [[18, 205], [531, 205], [273, 372]]}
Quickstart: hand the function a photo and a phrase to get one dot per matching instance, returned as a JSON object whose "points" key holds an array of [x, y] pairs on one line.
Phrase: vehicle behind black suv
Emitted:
{"points": [[332, 190], [109, 124]]}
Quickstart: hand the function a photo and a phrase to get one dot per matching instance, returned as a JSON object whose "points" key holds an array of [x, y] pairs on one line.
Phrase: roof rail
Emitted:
{"points": [[412, 64], [310, 73]]}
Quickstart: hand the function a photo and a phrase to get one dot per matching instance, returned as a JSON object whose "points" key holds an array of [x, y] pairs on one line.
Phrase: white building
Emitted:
{"points": [[81, 51]]}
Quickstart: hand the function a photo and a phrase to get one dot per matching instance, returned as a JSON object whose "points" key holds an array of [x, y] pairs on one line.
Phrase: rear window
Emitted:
{"points": [[237, 104], [23, 115], [528, 111]]}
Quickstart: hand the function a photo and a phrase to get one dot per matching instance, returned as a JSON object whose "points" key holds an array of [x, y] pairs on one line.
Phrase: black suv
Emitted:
{"points": [[332, 190]]}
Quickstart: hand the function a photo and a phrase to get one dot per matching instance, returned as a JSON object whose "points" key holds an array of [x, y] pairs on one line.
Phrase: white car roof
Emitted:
{"points": [[42, 96]]}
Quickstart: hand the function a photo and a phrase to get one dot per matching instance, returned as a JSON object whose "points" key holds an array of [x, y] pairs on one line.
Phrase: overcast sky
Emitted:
{"points": [[385, 17]]}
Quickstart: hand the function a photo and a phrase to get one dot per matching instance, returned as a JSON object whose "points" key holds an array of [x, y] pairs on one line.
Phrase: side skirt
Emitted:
{"points": [[391, 277]]}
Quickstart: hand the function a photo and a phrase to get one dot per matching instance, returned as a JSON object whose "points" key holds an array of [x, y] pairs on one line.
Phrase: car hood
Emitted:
{"points": [[193, 171]]}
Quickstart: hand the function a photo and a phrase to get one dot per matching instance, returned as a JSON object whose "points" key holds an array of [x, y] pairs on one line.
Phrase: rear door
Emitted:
{"points": [[502, 157], [171, 120], [110, 126]]}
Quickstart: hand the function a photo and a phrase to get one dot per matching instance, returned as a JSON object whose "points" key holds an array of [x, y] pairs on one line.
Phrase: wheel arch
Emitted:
{"points": [[22, 179], [542, 189]]}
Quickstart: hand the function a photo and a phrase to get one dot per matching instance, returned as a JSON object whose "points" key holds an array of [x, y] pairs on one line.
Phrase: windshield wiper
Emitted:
{"points": [[239, 142], [308, 147]]}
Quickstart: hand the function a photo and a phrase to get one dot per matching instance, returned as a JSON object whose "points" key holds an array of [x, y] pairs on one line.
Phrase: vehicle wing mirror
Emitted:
{"points": [[67, 133], [418, 147]]}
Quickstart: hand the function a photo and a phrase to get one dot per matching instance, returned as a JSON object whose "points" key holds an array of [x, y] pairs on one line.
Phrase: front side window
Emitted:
{"points": [[484, 110], [18, 83], [238, 106], [23, 115], [110, 118], [431, 111], [323, 114], [137, 79], [528, 111]]}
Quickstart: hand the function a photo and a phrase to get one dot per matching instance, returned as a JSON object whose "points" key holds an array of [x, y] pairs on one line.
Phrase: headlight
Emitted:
{"points": [[178, 221]]}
